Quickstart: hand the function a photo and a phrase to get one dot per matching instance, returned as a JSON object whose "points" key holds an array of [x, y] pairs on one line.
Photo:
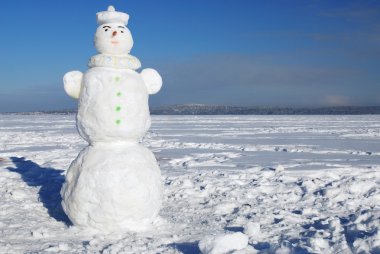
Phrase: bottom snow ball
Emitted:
{"points": [[113, 187]]}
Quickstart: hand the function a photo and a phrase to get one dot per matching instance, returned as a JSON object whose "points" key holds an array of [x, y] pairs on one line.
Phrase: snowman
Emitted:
{"points": [[115, 183]]}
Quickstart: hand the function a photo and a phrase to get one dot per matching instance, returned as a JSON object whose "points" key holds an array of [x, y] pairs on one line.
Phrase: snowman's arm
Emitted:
{"points": [[72, 82], [152, 79]]}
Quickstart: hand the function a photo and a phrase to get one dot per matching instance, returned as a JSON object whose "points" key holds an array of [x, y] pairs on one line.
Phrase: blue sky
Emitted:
{"points": [[230, 52]]}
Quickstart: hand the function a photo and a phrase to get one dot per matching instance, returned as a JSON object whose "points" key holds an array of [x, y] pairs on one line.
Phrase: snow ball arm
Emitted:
{"points": [[152, 80], [72, 83]]}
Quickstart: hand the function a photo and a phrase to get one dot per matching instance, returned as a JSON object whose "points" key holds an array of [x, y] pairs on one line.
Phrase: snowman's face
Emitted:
{"points": [[113, 39]]}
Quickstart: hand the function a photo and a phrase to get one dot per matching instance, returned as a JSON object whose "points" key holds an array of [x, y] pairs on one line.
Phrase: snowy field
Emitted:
{"points": [[288, 184]]}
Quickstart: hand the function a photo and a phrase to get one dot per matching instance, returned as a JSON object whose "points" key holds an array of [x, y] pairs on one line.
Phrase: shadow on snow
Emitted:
{"points": [[49, 180], [187, 248]]}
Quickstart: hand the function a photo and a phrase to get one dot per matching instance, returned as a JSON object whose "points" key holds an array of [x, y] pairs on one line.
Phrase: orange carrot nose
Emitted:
{"points": [[114, 33]]}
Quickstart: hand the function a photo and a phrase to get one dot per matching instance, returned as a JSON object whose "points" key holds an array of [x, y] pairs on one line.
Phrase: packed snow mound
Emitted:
{"points": [[221, 244], [252, 229]]}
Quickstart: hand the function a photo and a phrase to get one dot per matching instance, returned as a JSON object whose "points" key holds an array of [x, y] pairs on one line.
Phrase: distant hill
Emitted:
{"points": [[201, 109]]}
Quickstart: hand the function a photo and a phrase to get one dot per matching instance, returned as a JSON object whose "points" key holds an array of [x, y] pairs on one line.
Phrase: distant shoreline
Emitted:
{"points": [[200, 109]]}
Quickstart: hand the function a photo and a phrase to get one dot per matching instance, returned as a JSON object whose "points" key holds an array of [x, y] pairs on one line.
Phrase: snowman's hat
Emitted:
{"points": [[111, 16]]}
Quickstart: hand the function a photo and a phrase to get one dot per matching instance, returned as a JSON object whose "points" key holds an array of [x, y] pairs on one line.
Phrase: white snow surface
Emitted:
{"points": [[290, 184]]}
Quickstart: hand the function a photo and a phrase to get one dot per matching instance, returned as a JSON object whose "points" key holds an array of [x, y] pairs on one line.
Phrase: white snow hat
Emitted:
{"points": [[111, 16]]}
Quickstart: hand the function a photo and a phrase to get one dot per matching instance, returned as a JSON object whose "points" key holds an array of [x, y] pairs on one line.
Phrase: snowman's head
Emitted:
{"points": [[113, 39]]}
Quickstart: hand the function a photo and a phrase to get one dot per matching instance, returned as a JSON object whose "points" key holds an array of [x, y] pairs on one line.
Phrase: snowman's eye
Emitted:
{"points": [[106, 28], [122, 28]]}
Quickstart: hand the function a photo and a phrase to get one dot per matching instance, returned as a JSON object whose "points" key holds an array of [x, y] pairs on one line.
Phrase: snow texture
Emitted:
{"points": [[291, 184]]}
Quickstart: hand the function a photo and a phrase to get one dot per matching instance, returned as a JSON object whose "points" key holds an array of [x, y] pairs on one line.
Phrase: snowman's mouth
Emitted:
{"points": [[114, 42]]}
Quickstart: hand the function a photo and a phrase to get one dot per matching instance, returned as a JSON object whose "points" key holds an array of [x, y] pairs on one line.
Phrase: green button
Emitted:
{"points": [[118, 94], [118, 108], [118, 121], [117, 79]]}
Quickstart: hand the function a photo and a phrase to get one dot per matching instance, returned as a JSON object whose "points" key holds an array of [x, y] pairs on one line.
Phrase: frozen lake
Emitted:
{"points": [[307, 184]]}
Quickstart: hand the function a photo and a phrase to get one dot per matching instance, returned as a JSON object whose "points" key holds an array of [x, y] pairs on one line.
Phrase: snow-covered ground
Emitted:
{"points": [[288, 184]]}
